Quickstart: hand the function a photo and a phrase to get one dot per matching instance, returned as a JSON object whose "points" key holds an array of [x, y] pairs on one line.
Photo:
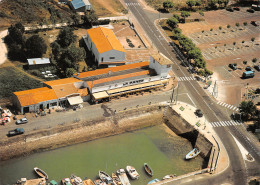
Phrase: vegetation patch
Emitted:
{"points": [[12, 80]]}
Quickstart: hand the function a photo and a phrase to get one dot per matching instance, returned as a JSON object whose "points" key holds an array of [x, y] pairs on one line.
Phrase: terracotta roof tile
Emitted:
{"points": [[104, 39], [35, 96], [111, 69]]}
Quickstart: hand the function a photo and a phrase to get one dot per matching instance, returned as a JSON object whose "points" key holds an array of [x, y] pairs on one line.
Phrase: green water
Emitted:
{"points": [[162, 151]]}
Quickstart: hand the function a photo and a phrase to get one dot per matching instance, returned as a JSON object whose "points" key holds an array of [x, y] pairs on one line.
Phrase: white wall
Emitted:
{"points": [[117, 56], [161, 70]]}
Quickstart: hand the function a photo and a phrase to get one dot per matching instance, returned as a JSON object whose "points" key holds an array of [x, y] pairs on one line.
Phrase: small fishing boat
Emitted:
{"points": [[148, 169], [132, 172], [123, 177], [169, 176], [41, 173], [116, 179], [76, 180], [88, 182], [99, 182], [65, 181], [192, 154], [154, 181], [105, 177]]}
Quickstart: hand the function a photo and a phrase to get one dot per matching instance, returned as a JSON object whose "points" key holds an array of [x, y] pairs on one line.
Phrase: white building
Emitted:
{"points": [[80, 5], [105, 46]]}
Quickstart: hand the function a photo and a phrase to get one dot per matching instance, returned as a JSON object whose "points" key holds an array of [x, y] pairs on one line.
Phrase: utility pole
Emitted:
{"points": [[247, 91]]}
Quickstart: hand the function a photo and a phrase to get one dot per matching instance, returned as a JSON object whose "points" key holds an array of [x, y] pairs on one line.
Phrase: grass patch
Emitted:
{"points": [[182, 108], [12, 80]]}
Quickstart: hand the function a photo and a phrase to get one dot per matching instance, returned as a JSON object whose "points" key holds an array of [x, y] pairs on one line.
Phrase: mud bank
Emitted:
{"points": [[73, 133]]}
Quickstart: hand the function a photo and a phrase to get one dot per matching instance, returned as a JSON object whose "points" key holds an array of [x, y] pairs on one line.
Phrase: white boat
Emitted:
{"points": [[40, 173], [169, 176], [192, 154], [76, 180], [123, 177], [106, 178], [132, 172]]}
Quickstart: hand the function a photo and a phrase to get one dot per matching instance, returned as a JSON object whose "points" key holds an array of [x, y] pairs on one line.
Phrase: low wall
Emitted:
{"points": [[182, 128], [72, 133]]}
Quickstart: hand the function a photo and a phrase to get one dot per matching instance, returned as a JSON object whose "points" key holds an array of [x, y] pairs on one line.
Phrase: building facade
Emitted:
{"points": [[105, 47]]}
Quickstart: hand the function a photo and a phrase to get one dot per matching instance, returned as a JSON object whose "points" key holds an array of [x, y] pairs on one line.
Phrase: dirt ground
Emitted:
{"points": [[138, 52], [221, 51]]}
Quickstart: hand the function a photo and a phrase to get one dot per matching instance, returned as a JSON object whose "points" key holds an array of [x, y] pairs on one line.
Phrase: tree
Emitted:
{"points": [[237, 25], [254, 60], [244, 62], [198, 3], [15, 34], [35, 46], [243, 42], [176, 16], [220, 28], [168, 4], [195, 53], [75, 54], [172, 22], [201, 13], [234, 43], [56, 49], [247, 109], [191, 3], [69, 72], [212, 4], [66, 37], [185, 14], [228, 26], [177, 30], [76, 19], [245, 23], [89, 18], [252, 40]]}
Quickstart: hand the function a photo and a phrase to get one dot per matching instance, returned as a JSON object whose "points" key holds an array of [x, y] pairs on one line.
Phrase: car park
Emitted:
{"points": [[257, 67], [199, 113], [21, 121], [15, 132], [248, 68], [248, 74], [233, 66]]}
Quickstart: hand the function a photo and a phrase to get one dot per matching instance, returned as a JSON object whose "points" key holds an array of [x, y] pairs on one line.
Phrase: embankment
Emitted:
{"points": [[182, 128], [72, 133]]}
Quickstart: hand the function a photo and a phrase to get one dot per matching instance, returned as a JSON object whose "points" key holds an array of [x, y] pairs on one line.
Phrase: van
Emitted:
{"points": [[248, 74]]}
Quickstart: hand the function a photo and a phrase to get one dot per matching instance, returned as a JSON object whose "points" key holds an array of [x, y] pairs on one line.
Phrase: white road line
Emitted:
{"points": [[239, 123], [228, 123], [221, 103], [237, 109], [231, 107], [225, 123], [234, 107], [218, 103], [226, 105], [212, 124], [222, 123]]}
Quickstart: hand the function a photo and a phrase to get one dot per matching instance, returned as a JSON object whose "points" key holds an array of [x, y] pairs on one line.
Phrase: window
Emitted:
{"points": [[169, 65], [111, 57], [102, 59]]}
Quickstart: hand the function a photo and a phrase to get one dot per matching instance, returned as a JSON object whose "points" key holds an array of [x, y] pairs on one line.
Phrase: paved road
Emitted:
{"points": [[238, 170]]}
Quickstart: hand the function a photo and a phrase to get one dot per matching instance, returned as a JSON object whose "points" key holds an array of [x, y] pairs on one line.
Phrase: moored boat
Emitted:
{"points": [[169, 176], [105, 177], [41, 173], [116, 179], [148, 169], [76, 180], [88, 182], [99, 182], [192, 154], [154, 181], [65, 181], [123, 177], [132, 172]]}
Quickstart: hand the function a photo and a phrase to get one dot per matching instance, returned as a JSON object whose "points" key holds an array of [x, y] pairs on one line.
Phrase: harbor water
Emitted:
{"points": [[156, 145]]}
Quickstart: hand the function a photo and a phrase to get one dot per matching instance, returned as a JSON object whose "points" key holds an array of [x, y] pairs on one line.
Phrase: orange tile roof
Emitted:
{"points": [[104, 39], [90, 83], [62, 81], [64, 90], [111, 69], [35, 96]]}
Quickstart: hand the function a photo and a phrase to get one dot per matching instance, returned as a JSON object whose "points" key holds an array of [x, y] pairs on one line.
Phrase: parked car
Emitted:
{"points": [[257, 67], [199, 113], [248, 74], [248, 68], [15, 132], [21, 121], [236, 8], [229, 9], [255, 23], [250, 10], [233, 66]]}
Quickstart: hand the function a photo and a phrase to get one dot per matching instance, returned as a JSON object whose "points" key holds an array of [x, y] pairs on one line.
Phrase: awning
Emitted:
{"points": [[75, 100], [100, 95], [138, 87]]}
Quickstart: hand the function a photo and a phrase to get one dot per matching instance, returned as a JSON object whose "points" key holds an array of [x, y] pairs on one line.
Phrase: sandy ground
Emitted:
{"points": [[3, 49]]}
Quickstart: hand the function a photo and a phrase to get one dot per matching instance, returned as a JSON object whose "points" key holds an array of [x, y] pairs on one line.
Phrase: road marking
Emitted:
{"points": [[225, 123]]}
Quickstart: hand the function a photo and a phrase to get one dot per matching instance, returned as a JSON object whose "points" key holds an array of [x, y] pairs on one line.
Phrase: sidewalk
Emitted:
{"points": [[203, 126]]}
